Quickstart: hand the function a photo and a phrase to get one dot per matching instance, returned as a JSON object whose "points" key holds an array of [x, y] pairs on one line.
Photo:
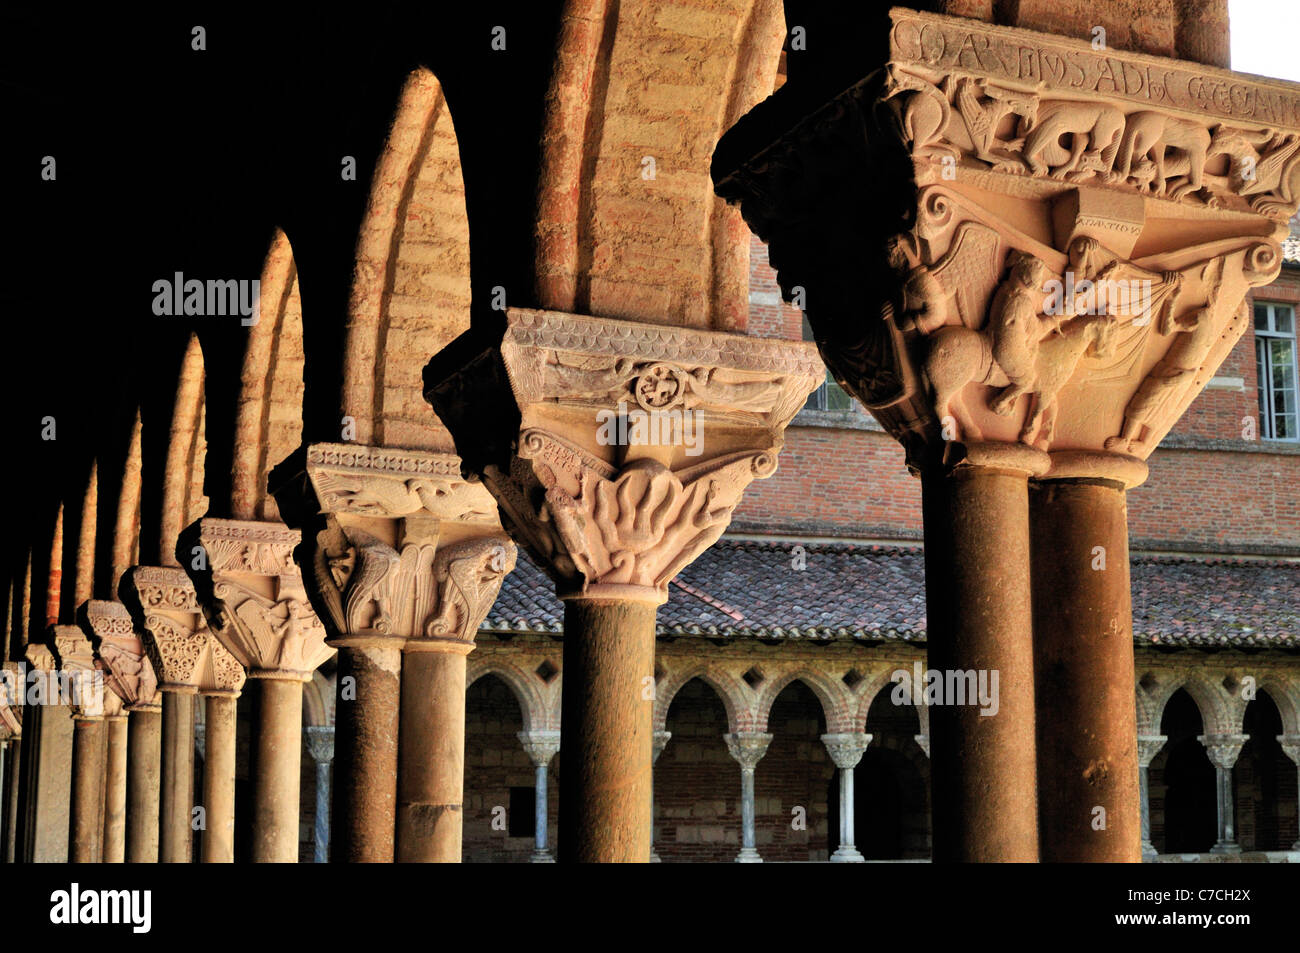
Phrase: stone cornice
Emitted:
{"points": [[394, 483]]}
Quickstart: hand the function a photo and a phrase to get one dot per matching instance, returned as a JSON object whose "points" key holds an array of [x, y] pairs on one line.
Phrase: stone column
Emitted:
{"points": [[1291, 748], [188, 661], [393, 553], [748, 748], [113, 849], [846, 751], [980, 634], [616, 452], [320, 744], [541, 746], [9, 833], [1088, 791], [661, 739], [252, 594], [217, 846], [76, 658], [1087, 333], [1223, 750], [1148, 746], [132, 791]]}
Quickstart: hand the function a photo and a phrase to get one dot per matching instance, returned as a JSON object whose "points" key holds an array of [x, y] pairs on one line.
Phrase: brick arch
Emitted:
{"points": [[1285, 694], [1217, 711], [532, 706], [660, 80], [183, 499], [268, 424], [837, 705], [734, 694], [126, 527], [411, 284], [84, 581]]}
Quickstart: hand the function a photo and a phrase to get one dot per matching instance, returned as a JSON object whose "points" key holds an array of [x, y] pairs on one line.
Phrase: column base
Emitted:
{"points": [[1226, 847], [541, 857], [748, 855], [847, 855]]}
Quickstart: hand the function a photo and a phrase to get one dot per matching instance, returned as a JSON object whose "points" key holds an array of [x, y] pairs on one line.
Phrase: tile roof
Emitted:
{"points": [[748, 589]]}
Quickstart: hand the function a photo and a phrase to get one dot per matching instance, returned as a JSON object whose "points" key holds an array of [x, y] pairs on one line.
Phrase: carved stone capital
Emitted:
{"points": [[846, 748], [75, 656], [541, 746], [12, 688], [923, 742], [1063, 238], [320, 743], [1290, 747], [1223, 750], [253, 598], [747, 747], [186, 658], [615, 450], [1148, 747], [397, 545], [127, 671]]}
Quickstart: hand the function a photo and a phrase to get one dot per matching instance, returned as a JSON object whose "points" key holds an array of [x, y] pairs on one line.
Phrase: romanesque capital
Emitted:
{"points": [[1009, 238], [396, 544], [127, 671], [1223, 750], [846, 748], [747, 747], [1148, 747], [75, 656], [12, 692], [320, 743], [184, 655], [541, 746], [616, 450], [253, 598], [1290, 747]]}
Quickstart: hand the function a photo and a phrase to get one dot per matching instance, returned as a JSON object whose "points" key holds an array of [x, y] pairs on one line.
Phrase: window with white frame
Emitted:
{"points": [[830, 395], [1275, 365]]}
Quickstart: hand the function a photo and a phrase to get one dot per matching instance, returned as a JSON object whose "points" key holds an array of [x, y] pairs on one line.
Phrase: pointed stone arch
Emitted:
{"points": [[411, 283], [268, 424], [1285, 694], [837, 706], [1219, 715], [536, 714], [737, 698], [183, 499]]}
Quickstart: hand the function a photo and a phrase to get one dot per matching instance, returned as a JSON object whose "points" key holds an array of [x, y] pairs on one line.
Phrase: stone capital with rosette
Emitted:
{"points": [[1006, 238], [846, 748], [616, 450], [747, 747], [397, 545], [186, 658], [252, 595]]}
